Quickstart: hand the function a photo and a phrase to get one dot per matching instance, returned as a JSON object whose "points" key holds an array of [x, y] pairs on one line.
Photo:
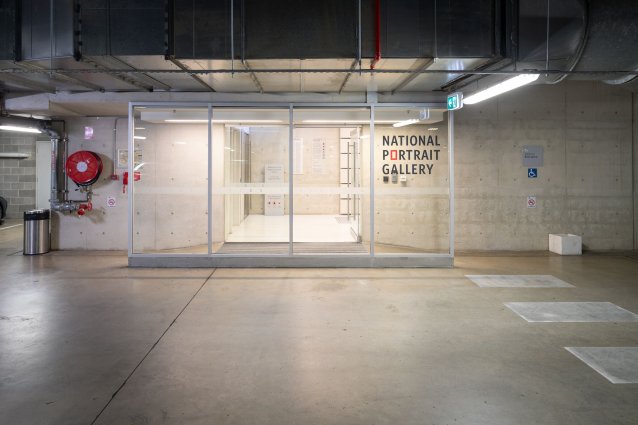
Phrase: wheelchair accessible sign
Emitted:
{"points": [[532, 173]]}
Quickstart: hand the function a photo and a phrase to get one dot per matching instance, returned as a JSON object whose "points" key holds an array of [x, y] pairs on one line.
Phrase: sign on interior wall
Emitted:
{"points": [[531, 202], [297, 165], [274, 203], [122, 158], [319, 165], [88, 133], [532, 156], [410, 154]]}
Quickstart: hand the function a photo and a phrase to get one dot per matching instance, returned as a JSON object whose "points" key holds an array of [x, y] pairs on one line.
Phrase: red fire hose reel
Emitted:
{"points": [[84, 167]]}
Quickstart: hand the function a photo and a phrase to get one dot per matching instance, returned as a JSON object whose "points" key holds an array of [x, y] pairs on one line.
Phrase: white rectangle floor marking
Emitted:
{"points": [[572, 312], [618, 364], [518, 281]]}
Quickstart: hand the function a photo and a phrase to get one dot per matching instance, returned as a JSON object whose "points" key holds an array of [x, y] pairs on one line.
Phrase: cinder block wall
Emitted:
{"points": [[17, 176]]}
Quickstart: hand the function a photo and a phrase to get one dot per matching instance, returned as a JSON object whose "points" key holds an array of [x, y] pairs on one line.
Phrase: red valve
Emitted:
{"points": [[81, 211], [136, 177]]}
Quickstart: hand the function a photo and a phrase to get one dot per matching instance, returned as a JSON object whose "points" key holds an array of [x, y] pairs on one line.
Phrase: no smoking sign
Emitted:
{"points": [[111, 202], [531, 202]]}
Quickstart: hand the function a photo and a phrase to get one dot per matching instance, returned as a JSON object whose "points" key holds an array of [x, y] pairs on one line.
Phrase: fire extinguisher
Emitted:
{"points": [[136, 177]]}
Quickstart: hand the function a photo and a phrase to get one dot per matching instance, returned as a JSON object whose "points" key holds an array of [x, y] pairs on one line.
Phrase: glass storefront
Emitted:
{"points": [[292, 185]]}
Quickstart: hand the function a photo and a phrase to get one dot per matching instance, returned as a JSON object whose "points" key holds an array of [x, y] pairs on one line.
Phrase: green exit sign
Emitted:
{"points": [[455, 101]]}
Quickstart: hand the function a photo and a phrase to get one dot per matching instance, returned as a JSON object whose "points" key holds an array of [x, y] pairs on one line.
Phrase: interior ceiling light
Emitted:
{"points": [[139, 137], [195, 121], [433, 128], [345, 121], [505, 86], [405, 122], [187, 121], [20, 129]]}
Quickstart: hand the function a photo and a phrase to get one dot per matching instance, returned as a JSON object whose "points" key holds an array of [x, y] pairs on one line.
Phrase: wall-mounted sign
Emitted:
{"points": [[122, 158], [297, 162], [409, 154], [454, 101], [532, 173], [531, 202], [532, 156], [88, 133], [111, 202], [319, 163]]}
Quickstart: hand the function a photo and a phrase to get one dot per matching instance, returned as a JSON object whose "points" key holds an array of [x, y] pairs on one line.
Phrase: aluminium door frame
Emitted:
{"points": [[290, 260]]}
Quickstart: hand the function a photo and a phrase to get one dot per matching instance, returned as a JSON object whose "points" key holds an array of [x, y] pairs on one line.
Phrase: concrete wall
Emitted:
{"points": [[104, 227], [315, 203], [171, 200], [584, 186], [17, 176], [415, 213], [269, 145]]}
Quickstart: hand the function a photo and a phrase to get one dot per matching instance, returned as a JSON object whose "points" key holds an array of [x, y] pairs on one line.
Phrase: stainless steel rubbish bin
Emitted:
{"points": [[37, 239]]}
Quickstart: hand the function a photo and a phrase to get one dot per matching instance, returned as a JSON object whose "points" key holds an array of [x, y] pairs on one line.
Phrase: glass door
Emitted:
{"points": [[328, 188], [250, 192]]}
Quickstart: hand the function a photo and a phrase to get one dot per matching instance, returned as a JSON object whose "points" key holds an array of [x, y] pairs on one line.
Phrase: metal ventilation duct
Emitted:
{"points": [[561, 36]]}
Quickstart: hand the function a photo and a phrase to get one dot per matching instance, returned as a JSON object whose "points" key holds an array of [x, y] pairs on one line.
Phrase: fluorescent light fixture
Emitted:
{"points": [[140, 128], [405, 122], [505, 86], [139, 137], [248, 121], [345, 121], [20, 129], [433, 128], [187, 121]]}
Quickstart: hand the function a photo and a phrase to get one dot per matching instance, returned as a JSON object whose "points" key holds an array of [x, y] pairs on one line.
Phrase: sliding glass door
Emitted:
{"points": [[328, 184]]}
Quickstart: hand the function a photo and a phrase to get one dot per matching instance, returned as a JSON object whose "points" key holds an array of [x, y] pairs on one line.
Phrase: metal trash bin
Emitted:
{"points": [[37, 237]]}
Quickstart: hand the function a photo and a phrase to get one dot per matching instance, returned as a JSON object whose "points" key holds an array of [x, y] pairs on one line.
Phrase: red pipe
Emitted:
{"points": [[377, 51]]}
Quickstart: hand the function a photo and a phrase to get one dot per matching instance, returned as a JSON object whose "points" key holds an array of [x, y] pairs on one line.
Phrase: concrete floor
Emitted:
{"points": [[84, 339]]}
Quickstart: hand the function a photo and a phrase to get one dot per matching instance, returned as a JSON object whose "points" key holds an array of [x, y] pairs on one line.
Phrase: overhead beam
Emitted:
{"points": [[26, 83], [345, 80], [253, 77], [421, 65], [195, 72], [193, 75], [60, 77], [122, 76], [153, 81]]}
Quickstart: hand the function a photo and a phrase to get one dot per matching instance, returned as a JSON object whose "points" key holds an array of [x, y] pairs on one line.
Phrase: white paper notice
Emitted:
{"points": [[319, 156], [297, 165]]}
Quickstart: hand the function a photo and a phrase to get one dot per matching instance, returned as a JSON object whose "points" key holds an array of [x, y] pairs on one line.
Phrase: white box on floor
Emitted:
{"points": [[566, 244]]}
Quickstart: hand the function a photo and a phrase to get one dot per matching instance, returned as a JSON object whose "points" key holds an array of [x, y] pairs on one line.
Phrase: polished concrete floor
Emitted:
{"points": [[84, 339]]}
